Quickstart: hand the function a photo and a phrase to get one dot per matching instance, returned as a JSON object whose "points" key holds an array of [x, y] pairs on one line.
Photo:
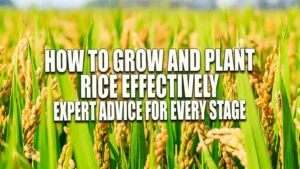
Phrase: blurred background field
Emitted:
{"points": [[212, 4], [269, 138]]}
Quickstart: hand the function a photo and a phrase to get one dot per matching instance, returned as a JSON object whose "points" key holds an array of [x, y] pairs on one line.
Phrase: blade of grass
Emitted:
{"points": [[256, 149], [15, 141], [34, 78], [82, 141], [87, 70], [170, 145], [289, 149], [48, 148], [297, 116], [216, 124], [284, 62], [113, 149], [35, 92], [137, 153], [207, 157]]}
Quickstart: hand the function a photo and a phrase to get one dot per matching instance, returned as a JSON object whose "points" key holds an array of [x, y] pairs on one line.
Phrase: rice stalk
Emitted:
{"points": [[188, 133], [65, 160], [232, 141], [23, 64], [159, 149], [3, 122], [5, 91], [264, 100], [101, 144], [280, 127], [2, 67]]}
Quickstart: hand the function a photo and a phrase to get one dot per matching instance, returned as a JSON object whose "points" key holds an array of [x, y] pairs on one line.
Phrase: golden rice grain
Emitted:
{"points": [[264, 100], [232, 141], [188, 133], [280, 126], [65, 160], [101, 144], [3, 121], [159, 149]]}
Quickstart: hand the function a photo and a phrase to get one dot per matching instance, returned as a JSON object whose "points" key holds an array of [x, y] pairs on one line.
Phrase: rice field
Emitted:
{"points": [[269, 138]]}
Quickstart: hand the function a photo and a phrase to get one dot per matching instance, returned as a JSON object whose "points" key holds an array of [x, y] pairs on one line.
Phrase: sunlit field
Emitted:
{"points": [[269, 138]]}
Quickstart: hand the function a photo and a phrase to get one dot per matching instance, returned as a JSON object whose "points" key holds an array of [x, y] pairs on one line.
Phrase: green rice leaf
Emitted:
{"points": [[257, 153], [289, 143], [113, 149], [49, 155], [81, 142], [137, 153]]}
